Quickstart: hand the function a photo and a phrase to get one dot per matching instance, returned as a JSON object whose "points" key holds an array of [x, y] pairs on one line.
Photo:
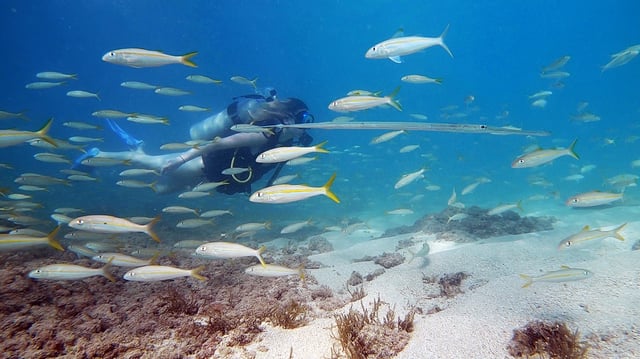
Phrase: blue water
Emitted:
{"points": [[315, 51]]}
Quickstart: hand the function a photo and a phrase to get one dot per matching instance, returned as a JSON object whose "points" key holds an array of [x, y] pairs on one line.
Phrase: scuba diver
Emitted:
{"points": [[226, 155]]}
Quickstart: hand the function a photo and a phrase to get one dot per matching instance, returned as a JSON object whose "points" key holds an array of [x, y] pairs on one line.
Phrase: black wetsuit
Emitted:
{"points": [[216, 162]]}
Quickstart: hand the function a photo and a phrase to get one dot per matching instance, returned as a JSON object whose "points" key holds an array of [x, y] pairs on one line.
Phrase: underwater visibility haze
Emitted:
{"points": [[454, 122]]}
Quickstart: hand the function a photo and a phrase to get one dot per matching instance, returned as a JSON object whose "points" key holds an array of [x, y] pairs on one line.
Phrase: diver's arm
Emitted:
{"points": [[138, 158], [234, 141]]}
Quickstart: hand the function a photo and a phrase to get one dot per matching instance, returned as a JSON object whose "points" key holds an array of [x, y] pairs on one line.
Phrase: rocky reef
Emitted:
{"points": [[474, 223]]}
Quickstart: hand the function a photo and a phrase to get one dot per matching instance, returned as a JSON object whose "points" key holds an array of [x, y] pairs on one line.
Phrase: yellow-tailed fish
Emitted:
{"points": [[123, 260], [285, 193], [149, 120], [56, 76], [105, 162], [283, 154], [359, 103], [16, 137], [41, 85], [171, 91], [588, 234], [65, 271], [504, 207], [137, 85], [35, 179], [253, 226], [272, 270], [215, 213], [208, 186], [566, 274], [593, 198], [10, 242], [193, 194], [395, 47], [193, 108], [244, 81], [539, 157], [228, 250], [387, 136], [409, 178], [137, 58], [83, 139], [155, 273], [194, 223], [111, 114], [83, 94], [110, 224], [420, 79], [81, 125], [137, 184], [294, 227], [201, 79], [179, 210], [4, 115], [138, 172]]}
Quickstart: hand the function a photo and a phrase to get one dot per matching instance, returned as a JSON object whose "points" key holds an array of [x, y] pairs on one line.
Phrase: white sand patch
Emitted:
{"points": [[479, 323]]}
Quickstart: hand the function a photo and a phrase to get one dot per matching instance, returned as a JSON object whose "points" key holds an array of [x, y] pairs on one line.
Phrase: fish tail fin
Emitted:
{"points": [[186, 59], [519, 206], [571, 150], [267, 224], [23, 116], [254, 83], [529, 280], [616, 232], [51, 239], [392, 101], [327, 189], [441, 42], [153, 187], [439, 80], [413, 256], [150, 232], [74, 76], [301, 272], [259, 255], [319, 147], [105, 271], [154, 259], [195, 273], [42, 133]]}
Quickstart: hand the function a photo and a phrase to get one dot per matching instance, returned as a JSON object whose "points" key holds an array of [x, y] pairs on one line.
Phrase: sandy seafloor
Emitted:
{"points": [[479, 323]]}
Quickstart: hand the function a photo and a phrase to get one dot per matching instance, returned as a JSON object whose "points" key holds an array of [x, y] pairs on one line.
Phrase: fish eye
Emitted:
{"points": [[373, 48], [521, 161], [260, 194], [80, 221], [112, 54], [568, 244], [575, 200]]}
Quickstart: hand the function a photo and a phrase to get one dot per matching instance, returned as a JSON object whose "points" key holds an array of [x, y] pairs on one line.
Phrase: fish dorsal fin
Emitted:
{"points": [[398, 33], [586, 228], [565, 267]]}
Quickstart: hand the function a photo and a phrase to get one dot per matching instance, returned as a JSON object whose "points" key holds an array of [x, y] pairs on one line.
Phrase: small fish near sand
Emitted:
{"points": [[588, 234], [274, 271], [285, 193], [65, 271], [566, 274], [111, 224], [154, 273], [227, 250], [593, 199]]}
